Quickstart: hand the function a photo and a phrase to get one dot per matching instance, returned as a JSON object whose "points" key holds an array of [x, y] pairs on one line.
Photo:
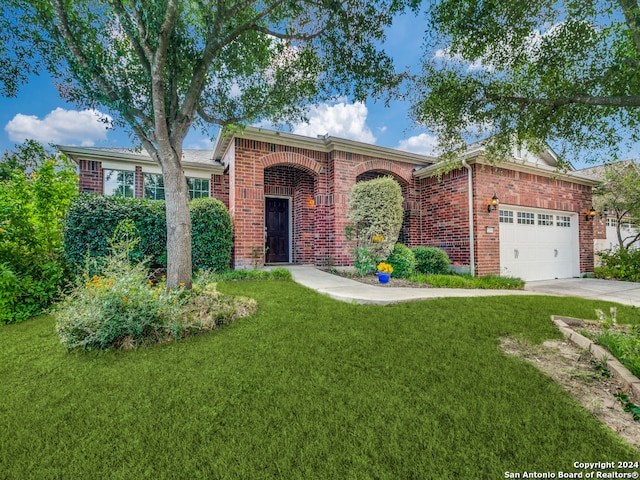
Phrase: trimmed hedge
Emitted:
{"points": [[93, 218], [431, 260], [402, 260]]}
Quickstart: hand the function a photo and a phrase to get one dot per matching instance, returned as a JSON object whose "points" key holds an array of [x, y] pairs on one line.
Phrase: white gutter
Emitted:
{"points": [[471, 226]]}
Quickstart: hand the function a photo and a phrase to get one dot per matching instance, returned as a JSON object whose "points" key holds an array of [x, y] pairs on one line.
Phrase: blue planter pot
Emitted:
{"points": [[384, 277]]}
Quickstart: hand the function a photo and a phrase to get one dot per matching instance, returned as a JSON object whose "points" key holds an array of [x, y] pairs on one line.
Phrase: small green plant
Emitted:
{"points": [[431, 260], [364, 261], [600, 366], [402, 260], [628, 405], [280, 273]]}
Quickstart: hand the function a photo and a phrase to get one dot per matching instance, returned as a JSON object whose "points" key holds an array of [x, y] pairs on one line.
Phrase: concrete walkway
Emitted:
{"points": [[347, 290]]}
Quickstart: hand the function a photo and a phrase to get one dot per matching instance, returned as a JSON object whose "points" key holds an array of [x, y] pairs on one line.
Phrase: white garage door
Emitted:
{"points": [[538, 244]]}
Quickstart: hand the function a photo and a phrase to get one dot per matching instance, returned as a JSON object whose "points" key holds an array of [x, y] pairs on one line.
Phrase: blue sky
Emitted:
{"points": [[38, 112]]}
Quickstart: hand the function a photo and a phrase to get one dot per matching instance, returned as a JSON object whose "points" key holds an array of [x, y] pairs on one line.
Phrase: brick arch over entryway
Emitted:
{"points": [[293, 159], [404, 173]]}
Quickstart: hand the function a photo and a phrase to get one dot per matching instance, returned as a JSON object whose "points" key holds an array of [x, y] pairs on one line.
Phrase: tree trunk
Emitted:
{"points": [[176, 191]]}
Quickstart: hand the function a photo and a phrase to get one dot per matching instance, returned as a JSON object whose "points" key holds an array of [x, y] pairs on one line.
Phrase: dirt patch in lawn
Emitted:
{"points": [[582, 376]]}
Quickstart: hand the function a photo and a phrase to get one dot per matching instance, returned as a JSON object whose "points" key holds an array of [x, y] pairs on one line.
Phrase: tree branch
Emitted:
{"points": [[141, 47], [619, 101], [64, 31]]}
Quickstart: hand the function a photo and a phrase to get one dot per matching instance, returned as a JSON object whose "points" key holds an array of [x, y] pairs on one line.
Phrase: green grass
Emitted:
{"points": [[467, 281], [624, 346], [307, 387]]}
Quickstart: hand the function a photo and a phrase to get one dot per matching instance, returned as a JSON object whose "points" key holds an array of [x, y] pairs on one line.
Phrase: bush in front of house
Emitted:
{"points": [[36, 189], [431, 260], [121, 308], [619, 264], [402, 260], [375, 212], [212, 234], [92, 221]]}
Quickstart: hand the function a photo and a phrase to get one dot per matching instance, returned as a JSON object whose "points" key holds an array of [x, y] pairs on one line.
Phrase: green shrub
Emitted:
{"points": [[93, 218], [431, 260], [122, 308], [619, 264], [212, 238], [92, 221], [32, 207], [402, 260], [375, 210]]}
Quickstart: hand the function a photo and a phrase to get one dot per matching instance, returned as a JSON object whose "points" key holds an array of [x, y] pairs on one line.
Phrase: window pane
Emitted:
{"points": [[118, 183], [153, 186], [506, 216], [198, 187]]}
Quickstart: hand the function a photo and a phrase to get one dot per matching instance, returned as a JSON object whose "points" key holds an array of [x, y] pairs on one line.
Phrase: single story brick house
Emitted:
{"points": [[288, 196]]}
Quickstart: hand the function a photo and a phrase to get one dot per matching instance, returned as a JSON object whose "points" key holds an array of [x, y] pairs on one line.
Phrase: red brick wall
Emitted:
{"points": [[445, 214], [219, 188], [90, 176], [318, 226], [139, 182]]}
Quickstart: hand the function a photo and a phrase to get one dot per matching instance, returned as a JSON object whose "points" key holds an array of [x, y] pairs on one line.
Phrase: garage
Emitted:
{"points": [[538, 244]]}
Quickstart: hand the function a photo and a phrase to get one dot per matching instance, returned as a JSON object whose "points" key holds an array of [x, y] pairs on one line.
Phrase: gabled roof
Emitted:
{"points": [[197, 159], [598, 171], [322, 143]]}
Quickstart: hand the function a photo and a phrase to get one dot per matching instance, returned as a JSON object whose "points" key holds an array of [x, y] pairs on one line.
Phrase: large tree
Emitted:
{"points": [[161, 66], [566, 72], [619, 193]]}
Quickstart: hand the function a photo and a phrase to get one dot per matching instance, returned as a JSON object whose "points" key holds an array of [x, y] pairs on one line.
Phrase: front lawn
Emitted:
{"points": [[307, 387]]}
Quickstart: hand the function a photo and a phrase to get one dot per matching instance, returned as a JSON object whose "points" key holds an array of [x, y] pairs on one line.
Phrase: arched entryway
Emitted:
{"points": [[289, 224]]}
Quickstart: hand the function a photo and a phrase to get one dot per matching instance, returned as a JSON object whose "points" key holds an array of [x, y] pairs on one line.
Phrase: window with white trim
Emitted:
{"points": [[526, 218], [612, 222], [198, 187], [563, 221], [153, 186], [506, 216], [118, 183], [545, 219]]}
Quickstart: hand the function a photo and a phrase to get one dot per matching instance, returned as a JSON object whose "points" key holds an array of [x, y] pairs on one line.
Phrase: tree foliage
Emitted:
{"points": [[162, 66], [619, 193], [566, 73], [33, 204]]}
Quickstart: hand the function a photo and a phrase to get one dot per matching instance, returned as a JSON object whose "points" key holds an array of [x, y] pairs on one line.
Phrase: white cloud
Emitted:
{"points": [[60, 126], [423, 144], [342, 119], [477, 65]]}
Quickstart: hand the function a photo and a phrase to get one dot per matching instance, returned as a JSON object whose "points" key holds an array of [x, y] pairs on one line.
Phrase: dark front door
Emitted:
{"points": [[276, 220]]}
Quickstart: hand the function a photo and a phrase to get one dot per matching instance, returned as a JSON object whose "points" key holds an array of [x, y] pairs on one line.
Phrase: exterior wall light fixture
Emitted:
{"points": [[493, 205], [590, 214]]}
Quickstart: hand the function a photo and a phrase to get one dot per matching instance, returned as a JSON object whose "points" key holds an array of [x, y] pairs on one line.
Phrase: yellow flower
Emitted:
{"points": [[377, 239], [124, 299], [385, 267]]}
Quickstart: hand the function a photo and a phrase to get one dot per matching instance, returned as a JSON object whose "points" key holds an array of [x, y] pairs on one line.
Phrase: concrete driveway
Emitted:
{"points": [[627, 293]]}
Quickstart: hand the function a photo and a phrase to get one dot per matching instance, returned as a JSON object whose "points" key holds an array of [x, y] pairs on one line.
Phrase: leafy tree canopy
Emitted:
{"points": [[619, 193], [161, 66], [564, 72]]}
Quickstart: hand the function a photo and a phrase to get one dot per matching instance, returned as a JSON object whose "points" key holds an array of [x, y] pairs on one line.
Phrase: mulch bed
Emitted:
{"points": [[372, 279]]}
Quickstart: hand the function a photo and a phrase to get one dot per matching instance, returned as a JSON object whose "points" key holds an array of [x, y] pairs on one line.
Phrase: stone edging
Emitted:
{"points": [[631, 382]]}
